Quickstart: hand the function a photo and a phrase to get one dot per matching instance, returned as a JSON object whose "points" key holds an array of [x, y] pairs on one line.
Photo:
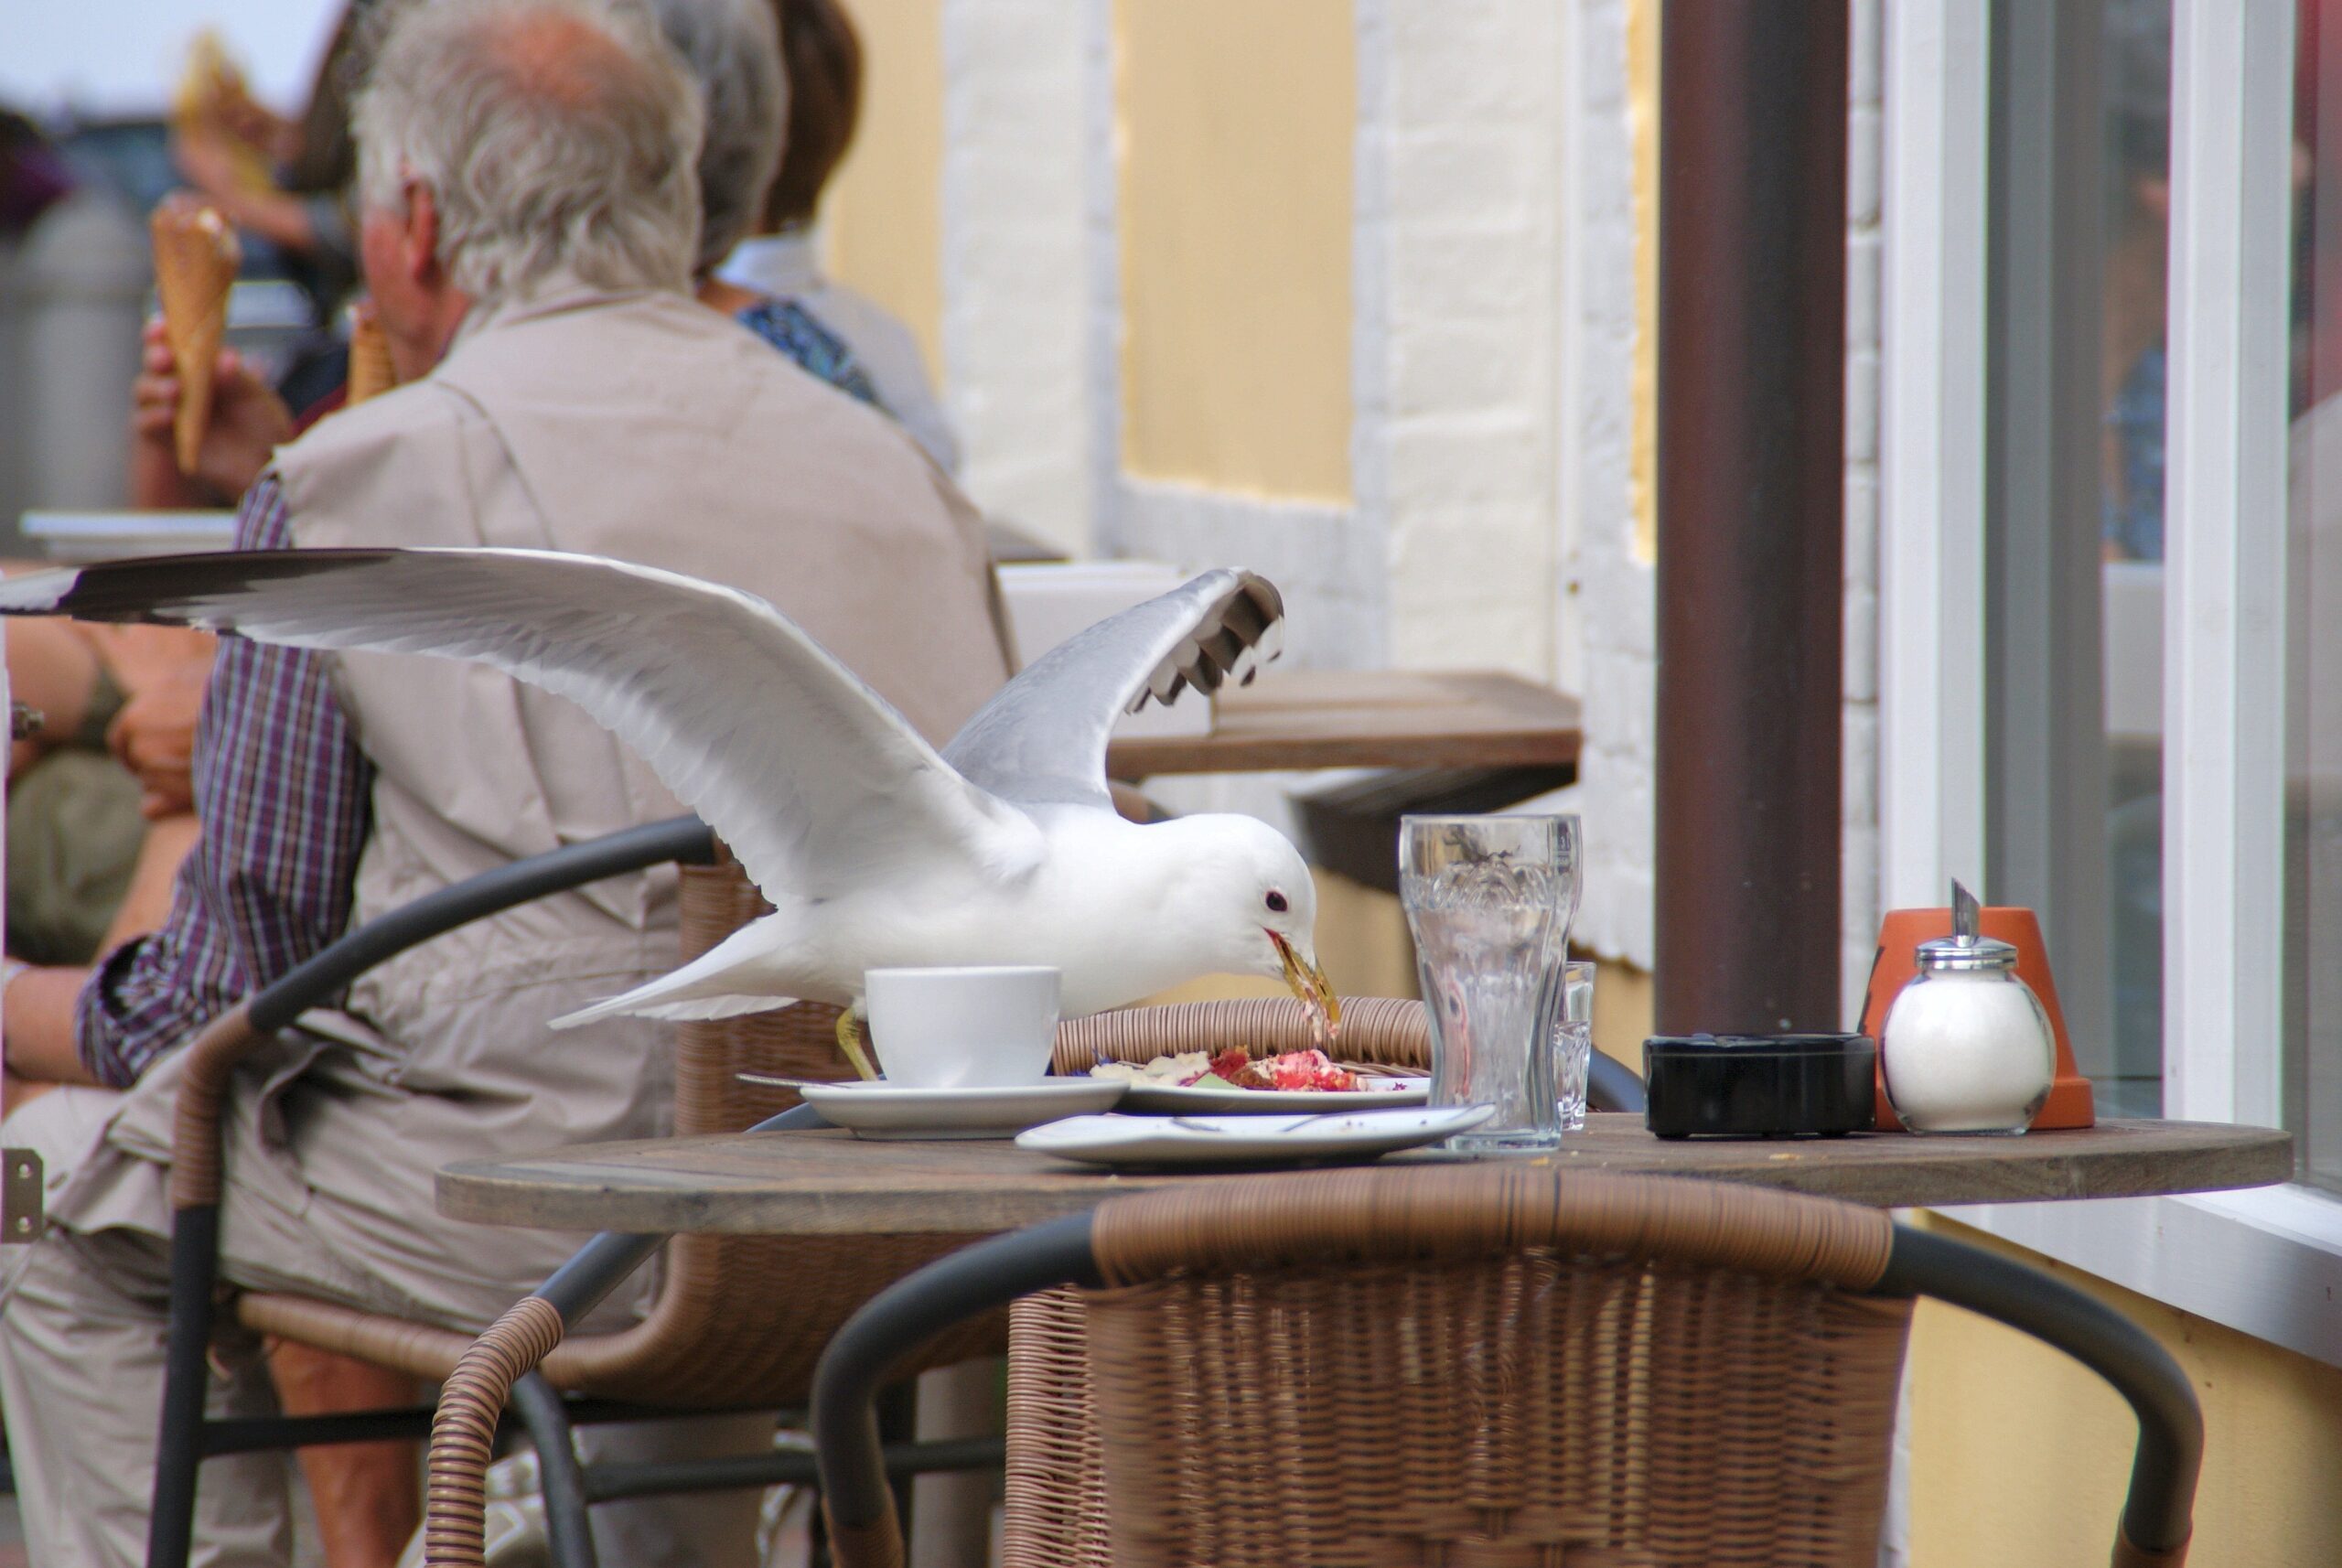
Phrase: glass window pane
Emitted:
{"points": [[2080, 207], [2135, 96]]}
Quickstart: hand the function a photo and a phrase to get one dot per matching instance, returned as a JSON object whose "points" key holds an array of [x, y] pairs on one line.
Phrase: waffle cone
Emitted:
{"points": [[196, 257], [371, 370]]}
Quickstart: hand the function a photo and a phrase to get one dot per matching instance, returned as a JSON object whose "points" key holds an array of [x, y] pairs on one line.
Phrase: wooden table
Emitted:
{"points": [[1368, 718], [831, 1183]]}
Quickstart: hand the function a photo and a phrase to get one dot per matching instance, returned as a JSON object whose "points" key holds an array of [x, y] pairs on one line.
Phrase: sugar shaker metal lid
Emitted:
{"points": [[1965, 951]]}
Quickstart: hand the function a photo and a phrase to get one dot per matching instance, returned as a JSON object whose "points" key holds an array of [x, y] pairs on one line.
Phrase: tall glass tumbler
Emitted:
{"points": [[1490, 901]]}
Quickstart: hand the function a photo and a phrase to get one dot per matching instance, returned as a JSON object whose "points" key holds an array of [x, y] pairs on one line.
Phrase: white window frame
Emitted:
{"points": [[2267, 1262]]}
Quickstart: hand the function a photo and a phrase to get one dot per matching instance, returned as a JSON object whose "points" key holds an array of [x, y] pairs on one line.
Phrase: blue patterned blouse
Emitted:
{"points": [[789, 328]]}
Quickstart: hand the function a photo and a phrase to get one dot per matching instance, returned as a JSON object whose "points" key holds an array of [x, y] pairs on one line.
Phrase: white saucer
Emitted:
{"points": [[881, 1110], [1248, 1140], [1200, 1099]]}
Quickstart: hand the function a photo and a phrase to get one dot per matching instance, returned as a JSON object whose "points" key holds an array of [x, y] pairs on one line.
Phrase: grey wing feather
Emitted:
{"points": [[1042, 738], [811, 777]]}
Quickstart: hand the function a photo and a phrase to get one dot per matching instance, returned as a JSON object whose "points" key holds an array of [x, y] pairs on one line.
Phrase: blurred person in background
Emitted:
{"points": [[2136, 84], [781, 256], [33, 177], [285, 181], [529, 223], [734, 52]]}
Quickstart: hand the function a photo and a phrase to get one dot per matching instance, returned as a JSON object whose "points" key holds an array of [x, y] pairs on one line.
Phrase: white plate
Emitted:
{"points": [[883, 1110], [1248, 1140], [1192, 1099]]}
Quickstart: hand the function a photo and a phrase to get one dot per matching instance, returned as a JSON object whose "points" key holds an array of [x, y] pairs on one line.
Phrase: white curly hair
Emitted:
{"points": [[559, 140]]}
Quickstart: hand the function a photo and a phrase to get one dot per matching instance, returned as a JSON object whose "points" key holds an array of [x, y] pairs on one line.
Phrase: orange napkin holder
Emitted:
{"points": [[1897, 963]]}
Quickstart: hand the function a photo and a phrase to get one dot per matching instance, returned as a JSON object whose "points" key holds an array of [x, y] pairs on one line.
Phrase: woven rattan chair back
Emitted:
{"points": [[713, 1339], [1055, 1489], [1478, 1367]]}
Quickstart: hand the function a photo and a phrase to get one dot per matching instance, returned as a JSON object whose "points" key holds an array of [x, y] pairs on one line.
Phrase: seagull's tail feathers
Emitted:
{"points": [[738, 974], [635, 1004]]}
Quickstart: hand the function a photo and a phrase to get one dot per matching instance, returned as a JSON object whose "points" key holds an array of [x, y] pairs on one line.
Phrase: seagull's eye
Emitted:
{"points": [[1277, 904]]}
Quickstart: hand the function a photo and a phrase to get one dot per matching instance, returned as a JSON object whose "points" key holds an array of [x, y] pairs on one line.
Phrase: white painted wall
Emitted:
{"points": [[1016, 318], [1858, 836], [1608, 620]]}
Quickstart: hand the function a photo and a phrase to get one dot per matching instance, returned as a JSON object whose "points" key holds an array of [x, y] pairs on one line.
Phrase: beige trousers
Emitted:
{"points": [[82, 1325]]}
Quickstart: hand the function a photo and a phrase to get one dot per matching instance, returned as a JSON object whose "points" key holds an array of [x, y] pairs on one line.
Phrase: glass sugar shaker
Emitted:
{"points": [[1967, 1046]]}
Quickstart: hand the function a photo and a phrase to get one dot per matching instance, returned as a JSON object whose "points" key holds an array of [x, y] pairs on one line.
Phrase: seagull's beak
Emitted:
{"points": [[1309, 983]]}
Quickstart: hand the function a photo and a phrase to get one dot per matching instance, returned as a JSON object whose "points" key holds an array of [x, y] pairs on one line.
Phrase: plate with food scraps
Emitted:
{"points": [[1322, 1138], [1233, 1083], [877, 1109]]}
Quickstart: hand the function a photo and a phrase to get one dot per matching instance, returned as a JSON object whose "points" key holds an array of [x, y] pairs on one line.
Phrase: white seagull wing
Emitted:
{"points": [[811, 777], [1042, 738]]}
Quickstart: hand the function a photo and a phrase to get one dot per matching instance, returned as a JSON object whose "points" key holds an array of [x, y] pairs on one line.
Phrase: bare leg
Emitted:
{"points": [[367, 1495]]}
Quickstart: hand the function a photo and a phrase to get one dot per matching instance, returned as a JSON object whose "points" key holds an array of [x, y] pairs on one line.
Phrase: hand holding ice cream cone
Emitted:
{"points": [[248, 423], [196, 256]]}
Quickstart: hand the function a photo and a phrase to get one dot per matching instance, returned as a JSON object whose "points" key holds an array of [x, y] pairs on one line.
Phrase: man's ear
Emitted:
{"points": [[422, 236]]}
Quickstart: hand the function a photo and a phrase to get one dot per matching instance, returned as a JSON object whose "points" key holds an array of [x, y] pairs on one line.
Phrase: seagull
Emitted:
{"points": [[874, 850]]}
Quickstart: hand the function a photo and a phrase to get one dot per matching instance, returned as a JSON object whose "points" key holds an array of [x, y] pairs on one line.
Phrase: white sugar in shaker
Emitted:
{"points": [[1967, 1047]]}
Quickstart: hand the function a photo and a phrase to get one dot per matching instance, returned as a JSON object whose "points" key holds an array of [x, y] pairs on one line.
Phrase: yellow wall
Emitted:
{"points": [[882, 217], [1236, 126], [2019, 1457], [1622, 1011]]}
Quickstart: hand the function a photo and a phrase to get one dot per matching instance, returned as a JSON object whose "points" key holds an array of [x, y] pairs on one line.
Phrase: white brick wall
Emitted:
{"points": [[1016, 243], [1865, 156], [1607, 615], [1455, 349]]}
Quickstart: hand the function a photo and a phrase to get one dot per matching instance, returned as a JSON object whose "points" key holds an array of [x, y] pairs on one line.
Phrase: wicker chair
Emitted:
{"points": [[711, 1342], [1488, 1365]]}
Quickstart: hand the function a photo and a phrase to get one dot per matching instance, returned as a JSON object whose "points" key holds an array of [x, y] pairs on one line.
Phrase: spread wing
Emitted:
{"points": [[1042, 738], [811, 777]]}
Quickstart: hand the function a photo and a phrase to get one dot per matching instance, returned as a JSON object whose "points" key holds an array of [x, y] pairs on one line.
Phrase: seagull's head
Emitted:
{"points": [[1250, 900]]}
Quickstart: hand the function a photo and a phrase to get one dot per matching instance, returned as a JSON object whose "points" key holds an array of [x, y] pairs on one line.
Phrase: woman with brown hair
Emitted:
{"points": [[823, 58]]}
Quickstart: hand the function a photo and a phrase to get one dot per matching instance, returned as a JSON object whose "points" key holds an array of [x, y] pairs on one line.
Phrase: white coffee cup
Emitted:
{"points": [[963, 1028]]}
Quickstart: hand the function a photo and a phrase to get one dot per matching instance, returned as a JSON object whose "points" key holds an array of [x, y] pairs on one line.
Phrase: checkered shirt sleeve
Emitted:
{"points": [[283, 797]]}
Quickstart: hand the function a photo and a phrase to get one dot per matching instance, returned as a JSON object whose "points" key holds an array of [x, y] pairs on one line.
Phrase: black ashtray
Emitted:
{"points": [[1760, 1086]]}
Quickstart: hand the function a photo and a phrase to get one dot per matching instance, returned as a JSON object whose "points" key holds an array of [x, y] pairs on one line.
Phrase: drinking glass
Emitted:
{"points": [[1490, 901], [1574, 1042]]}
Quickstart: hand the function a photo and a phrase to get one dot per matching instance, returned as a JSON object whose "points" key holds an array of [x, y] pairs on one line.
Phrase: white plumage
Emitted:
{"points": [[875, 850]]}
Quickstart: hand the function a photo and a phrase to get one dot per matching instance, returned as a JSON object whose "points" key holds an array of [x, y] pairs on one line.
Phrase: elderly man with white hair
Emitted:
{"points": [[529, 219]]}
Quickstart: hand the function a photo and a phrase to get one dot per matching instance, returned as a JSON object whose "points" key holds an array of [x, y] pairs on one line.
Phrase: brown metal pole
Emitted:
{"points": [[1752, 344]]}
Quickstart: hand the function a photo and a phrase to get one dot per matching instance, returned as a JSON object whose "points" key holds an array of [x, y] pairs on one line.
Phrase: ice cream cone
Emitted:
{"points": [[371, 370], [213, 104], [196, 257]]}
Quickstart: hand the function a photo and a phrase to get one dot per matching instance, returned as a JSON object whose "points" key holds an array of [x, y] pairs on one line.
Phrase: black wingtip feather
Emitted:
{"points": [[174, 590]]}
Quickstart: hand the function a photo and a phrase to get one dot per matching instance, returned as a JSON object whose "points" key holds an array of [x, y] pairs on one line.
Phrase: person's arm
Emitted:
{"points": [[38, 1025], [283, 797]]}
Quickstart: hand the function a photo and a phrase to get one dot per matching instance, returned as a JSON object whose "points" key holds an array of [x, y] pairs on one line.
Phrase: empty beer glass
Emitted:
{"points": [[1490, 901]]}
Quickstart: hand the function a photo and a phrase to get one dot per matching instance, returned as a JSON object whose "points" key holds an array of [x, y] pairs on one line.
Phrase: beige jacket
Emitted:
{"points": [[639, 427]]}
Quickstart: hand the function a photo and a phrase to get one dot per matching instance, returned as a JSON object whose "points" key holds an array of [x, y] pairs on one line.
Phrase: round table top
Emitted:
{"points": [[832, 1182]]}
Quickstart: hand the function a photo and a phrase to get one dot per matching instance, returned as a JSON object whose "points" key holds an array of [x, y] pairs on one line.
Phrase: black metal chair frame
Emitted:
{"points": [[188, 1436], [2156, 1512]]}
